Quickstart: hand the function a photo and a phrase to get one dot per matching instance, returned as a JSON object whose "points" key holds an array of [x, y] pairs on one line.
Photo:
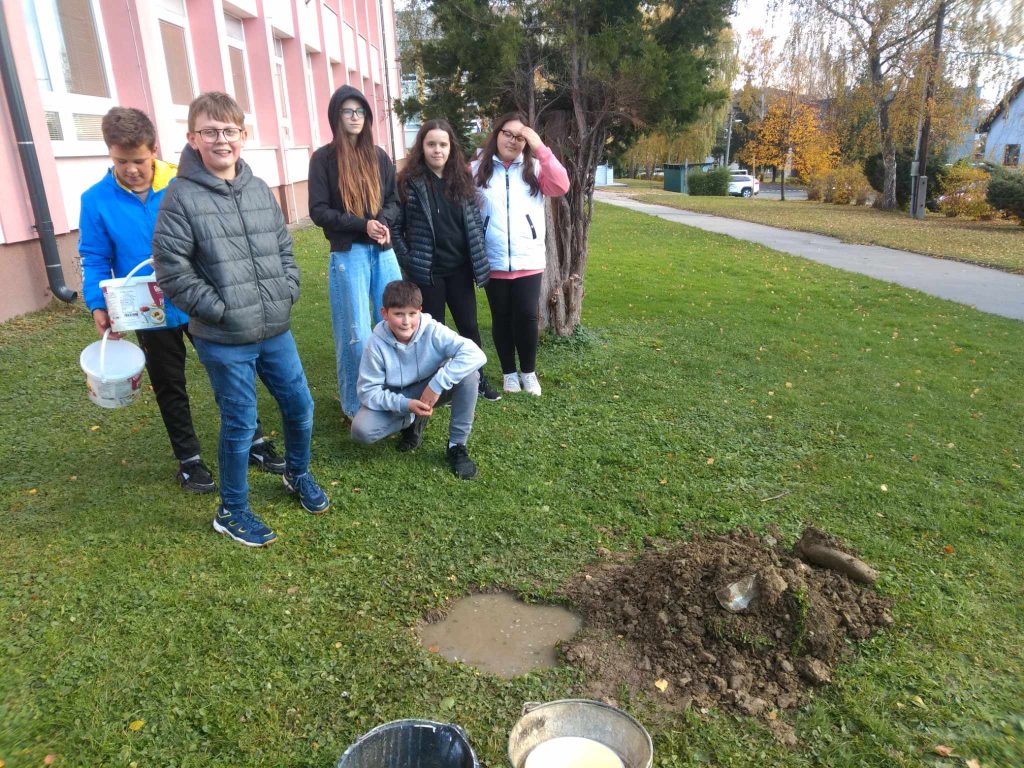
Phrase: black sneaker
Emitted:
{"points": [[195, 477], [487, 392], [265, 457], [461, 465], [412, 435]]}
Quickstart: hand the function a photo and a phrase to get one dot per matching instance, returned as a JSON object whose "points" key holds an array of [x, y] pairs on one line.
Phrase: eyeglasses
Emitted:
{"points": [[512, 137], [210, 135], [358, 112]]}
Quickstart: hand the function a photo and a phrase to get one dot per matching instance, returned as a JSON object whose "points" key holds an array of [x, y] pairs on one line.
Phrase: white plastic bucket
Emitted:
{"points": [[113, 371], [134, 303]]}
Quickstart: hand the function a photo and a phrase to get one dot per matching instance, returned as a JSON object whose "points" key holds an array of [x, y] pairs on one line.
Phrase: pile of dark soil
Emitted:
{"points": [[655, 625]]}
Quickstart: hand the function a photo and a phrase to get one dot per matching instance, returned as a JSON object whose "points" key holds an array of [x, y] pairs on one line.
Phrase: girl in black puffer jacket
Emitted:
{"points": [[439, 240]]}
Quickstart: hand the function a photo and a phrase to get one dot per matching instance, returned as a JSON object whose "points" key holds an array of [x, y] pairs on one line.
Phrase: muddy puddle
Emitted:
{"points": [[499, 634]]}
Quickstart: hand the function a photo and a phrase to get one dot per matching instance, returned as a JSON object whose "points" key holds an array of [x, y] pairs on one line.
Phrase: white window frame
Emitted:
{"points": [[348, 47], [42, 16], [179, 19], [284, 111], [314, 123], [239, 45]]}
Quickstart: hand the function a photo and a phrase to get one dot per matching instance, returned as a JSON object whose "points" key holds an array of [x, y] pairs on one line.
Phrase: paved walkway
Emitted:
{"points": [[988, 290]]}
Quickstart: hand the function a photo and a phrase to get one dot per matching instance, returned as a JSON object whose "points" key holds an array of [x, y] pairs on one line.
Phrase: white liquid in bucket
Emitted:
{"points": [[572, 752]]}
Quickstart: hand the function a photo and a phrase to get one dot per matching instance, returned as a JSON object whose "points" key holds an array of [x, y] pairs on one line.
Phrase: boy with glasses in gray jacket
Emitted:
{"points": [[223, 254]]}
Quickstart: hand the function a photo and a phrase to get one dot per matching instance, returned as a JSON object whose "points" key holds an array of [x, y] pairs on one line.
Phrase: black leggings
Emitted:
{"points": [[165, 361], [515, 314], [458, 292]]}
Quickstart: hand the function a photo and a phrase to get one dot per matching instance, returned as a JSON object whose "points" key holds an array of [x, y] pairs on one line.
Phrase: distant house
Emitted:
{"points": [[1004, 128]]}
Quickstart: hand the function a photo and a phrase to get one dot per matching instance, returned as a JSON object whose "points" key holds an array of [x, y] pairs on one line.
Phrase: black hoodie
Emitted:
{"points": [[341, 227]]}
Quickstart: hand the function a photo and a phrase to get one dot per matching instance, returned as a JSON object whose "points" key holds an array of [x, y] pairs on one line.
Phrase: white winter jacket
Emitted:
{"points": [[513, 218]]}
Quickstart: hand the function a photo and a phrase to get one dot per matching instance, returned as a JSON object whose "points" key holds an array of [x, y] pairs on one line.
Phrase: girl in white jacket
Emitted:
{"points": [[513, 174]]}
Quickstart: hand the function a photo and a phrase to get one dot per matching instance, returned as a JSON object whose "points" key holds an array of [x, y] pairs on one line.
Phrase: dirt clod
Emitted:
{"points": [[658, 616]]}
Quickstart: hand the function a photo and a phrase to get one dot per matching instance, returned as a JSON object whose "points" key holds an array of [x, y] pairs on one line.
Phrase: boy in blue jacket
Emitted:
{"points": [[115, 234], [411, 364]]}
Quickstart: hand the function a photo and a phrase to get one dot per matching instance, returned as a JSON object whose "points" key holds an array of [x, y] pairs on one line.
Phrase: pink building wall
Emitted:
{"points": [[137, 74]]}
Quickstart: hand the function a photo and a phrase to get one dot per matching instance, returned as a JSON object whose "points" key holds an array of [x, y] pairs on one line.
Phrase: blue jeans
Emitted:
{"points": [[357, 278], [232, 369]]}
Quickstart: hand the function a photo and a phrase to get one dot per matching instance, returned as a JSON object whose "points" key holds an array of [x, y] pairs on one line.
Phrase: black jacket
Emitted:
{"points": [[223, 254], [414, 236], [341, 227]]}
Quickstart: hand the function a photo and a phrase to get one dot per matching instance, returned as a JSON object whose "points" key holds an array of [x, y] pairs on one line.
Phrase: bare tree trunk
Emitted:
{"points": [[883, 100], [568, 218]]}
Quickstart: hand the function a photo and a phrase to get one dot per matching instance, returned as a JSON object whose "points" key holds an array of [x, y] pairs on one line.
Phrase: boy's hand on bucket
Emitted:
{"points": [[102, 320]]}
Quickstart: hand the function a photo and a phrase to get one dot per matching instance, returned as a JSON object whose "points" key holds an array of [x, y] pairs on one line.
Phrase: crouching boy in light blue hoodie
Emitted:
{"points": [[410, 365]]}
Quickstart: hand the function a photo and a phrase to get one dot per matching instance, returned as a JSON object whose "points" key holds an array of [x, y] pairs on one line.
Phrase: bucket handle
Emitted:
{"points": [[147, 263], [103, 351], [529, 706]]}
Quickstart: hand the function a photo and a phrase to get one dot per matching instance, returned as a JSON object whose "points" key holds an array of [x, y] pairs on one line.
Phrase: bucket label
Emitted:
{"points": [[134, 304], [116, 393]]}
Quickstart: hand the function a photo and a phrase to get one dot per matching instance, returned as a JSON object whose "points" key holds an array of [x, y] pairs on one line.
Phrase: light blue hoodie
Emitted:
{"points": [[434, 352]]}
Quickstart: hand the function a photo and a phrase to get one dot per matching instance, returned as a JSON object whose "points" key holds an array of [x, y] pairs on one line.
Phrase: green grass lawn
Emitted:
{"points": [[133, 635], [997, 244]]}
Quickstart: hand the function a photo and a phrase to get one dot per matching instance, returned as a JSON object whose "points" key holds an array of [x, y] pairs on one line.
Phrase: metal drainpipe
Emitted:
{"points": [[30, 165]]}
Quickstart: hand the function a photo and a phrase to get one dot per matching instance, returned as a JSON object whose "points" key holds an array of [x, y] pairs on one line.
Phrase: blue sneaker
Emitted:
{"points": [[244, 527], [311, 495]]}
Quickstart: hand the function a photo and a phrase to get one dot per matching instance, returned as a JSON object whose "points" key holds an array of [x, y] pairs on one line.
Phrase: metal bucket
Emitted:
{"points": [[581, 718], [411, 744]]}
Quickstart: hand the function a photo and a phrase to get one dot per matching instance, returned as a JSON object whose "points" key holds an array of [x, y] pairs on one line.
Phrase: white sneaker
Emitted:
{"points": [[530, 383], [511, 382]]}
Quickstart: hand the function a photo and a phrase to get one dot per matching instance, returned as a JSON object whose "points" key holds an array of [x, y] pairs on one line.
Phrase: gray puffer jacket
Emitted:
{"points": [[223, 254]]}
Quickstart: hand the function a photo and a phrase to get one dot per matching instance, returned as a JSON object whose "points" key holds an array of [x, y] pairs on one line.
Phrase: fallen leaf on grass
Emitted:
{"points": [[663, 481], [136, 725], [942, 749], [883, 487], [49, 760], [292, 590], [948, 549], [33, 491], [661, 684], [94, 428], [918, 702], [711, 459], [434, 648], [973, 763]]}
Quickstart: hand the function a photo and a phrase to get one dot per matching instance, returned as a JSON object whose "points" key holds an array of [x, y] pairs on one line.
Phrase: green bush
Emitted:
{"points": [[1006, 192], [964, 193], [714, 182], [874, 169]]}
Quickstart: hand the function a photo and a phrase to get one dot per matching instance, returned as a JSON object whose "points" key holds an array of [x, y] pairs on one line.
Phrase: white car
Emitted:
{"points": [[743, 185]]}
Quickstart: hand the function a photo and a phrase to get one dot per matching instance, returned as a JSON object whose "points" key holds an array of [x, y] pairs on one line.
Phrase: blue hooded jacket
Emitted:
{"points": [[115, 233]]}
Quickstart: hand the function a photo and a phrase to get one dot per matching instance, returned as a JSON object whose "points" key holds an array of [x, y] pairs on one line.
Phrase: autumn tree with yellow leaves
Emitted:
{"points": [[790, 136]]}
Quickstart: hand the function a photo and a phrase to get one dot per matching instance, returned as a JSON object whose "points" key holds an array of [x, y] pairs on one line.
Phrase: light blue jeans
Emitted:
{"points": [[357, 279], [232, 369]]}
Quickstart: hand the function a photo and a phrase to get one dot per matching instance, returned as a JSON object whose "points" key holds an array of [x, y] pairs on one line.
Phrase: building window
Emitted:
{"points": [[236, 57], [281, 91], [348, 46], [177, 54], [314, 124], [1011, 155], [72, 70]]}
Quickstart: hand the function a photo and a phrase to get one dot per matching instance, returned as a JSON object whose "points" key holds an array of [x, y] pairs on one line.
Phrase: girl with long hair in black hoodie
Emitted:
{"points": [[352, 198]]}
